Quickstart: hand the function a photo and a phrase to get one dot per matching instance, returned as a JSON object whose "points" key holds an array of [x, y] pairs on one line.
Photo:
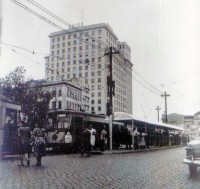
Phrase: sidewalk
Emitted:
{"points": [[127, 151]]}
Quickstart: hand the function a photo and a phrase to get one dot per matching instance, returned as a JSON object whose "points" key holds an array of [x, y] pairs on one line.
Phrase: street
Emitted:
{"points": [[155, 169]]}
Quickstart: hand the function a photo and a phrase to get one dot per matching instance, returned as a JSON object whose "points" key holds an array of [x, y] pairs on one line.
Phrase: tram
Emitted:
{"points": [[65, 128]]}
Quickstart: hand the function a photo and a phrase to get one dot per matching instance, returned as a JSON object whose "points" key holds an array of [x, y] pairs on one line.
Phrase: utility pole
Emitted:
{"points": [[165, 95], [110, 90], [158, 109]]}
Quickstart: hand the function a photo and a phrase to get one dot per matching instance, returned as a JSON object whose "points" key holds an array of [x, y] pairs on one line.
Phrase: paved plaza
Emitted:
{"points": [[155, 169]]}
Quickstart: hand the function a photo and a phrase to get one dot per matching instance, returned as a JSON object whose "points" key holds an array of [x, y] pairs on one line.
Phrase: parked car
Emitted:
{"points": [[193, 155]]}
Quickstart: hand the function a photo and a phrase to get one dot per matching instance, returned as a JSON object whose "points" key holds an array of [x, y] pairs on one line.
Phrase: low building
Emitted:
{"points": [[69, 94]]}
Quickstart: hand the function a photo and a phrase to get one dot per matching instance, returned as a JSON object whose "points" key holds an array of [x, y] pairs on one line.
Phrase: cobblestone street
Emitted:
{"points": [[156, 169]]}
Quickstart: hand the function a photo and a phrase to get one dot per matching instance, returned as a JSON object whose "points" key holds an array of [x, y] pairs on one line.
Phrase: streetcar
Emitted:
{"points": [[65, 128]]}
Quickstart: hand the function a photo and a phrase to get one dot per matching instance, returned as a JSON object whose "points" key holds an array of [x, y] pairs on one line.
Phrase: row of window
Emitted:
{"points": [[80, 61], [75, 42], [76, 56], [75, 35]]}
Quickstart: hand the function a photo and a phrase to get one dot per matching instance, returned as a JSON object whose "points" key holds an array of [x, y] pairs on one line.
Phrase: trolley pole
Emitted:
{"points": [[110, 91]]}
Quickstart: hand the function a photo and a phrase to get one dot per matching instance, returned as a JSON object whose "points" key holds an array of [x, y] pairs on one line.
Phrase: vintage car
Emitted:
{"points": [[193, 155]]}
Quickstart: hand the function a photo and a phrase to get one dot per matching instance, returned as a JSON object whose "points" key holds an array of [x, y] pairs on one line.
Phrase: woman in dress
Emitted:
{"points": [[39, 139]]}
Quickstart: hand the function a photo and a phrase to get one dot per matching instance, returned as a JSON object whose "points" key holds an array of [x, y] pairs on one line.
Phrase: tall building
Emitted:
{"points": [[79, 53]]}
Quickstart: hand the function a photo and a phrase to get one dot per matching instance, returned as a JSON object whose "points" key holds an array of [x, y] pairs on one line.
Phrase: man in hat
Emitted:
{"points": [[24, 134]]}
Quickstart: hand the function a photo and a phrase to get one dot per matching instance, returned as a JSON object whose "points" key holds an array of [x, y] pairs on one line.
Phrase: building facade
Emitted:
{"points": [[79, 53], [191, 123]]}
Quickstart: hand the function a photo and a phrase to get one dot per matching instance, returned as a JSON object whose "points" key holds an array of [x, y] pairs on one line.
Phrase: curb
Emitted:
{"points": [[110, 152]]}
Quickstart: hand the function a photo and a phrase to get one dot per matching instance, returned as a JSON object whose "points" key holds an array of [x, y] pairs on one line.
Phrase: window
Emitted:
{"points": [[92, 101], [69, 43], [53, 40], [99, 94], [63, 37], [60, 93], [54, 105], [99, 101], [99, 108], [68, 63], [59, 104], [52, 47], [99, 80], [86, 67], [58, 39]]}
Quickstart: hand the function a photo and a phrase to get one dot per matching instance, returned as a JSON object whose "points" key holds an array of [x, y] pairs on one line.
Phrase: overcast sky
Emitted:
{"points": [[164, 36]]}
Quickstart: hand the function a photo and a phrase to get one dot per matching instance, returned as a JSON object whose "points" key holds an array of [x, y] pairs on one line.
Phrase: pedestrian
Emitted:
{"points": [[24, 134], [103, 139], [86, 144], [39, 140], [93, 136]]}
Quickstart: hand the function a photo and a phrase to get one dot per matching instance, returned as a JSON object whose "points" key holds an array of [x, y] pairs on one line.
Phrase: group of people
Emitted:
{"points": [[88, 142], [27, 138]]}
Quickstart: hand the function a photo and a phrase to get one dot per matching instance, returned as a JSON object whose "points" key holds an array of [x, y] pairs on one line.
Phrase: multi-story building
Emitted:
{"points": [[191, 123], [79, 53], [65, 95]]}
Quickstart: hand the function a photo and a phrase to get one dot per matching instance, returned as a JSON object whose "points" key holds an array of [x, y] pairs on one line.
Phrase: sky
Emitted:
{"points": [[164, 37]]}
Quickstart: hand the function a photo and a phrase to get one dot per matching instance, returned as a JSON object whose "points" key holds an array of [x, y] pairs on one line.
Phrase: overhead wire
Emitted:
{"points": [[61, 20], [50, 22], [61, 28]]}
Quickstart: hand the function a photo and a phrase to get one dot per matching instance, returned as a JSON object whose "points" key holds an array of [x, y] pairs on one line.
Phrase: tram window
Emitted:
{"points": [[64, 123]]}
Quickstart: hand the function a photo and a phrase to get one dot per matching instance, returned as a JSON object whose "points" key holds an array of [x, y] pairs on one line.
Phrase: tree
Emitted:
{"points": [[32, 97]]}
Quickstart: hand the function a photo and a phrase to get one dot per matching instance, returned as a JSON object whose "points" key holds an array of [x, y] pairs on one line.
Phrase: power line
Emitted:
{"points": [[60, 19], [48, 21], [146, 86]]}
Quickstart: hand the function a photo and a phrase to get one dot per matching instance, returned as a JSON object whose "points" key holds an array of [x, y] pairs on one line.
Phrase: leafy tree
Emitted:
{"points": [[32, 97]]}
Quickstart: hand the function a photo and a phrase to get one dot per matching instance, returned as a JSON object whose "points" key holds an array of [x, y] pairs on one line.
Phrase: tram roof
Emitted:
{"points": [[130, 119]]}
